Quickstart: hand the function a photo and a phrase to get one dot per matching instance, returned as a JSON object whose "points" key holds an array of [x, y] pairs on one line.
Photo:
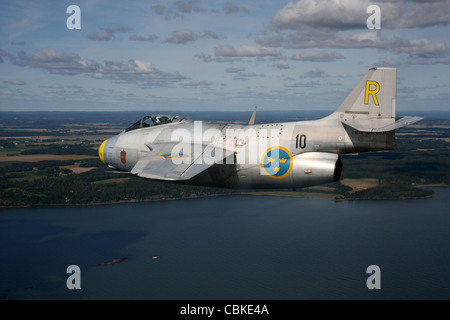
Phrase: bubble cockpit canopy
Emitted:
{"points": [[154, 120]]}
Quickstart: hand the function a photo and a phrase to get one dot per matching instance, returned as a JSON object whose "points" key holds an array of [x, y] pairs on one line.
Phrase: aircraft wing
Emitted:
{"points": [[162, 164]]}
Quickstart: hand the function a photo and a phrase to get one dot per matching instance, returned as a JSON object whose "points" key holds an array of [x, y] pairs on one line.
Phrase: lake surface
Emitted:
{"points": [[233, 247]]}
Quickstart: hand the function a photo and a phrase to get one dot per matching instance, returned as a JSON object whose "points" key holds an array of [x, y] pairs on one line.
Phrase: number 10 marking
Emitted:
{"points": [[300, 141]]}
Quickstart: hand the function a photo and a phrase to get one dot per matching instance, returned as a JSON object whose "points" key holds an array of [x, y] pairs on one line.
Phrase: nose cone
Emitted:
{"points": [[100, 152]]}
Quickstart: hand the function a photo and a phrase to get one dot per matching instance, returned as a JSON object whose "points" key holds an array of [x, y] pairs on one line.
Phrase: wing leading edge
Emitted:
{"points": [[179, 166]]}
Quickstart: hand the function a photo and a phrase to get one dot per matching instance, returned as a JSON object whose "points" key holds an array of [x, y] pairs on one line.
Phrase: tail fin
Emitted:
{"points": [[370, 107], [371, 104]]}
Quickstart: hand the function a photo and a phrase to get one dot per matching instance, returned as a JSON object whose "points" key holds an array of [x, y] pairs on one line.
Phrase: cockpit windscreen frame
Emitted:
{"points": [[154, 120]]}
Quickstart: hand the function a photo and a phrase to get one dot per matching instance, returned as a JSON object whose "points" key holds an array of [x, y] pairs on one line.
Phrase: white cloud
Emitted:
{"points": [[309, 84], [136, 37], [187, 8], [166, 13], [305, 39], [15, 82], [208, 34], [281, 64], [418, 14], [430, 61], [108, 34], [183, 7], [199, 83], [415, 89], [316, 73], [210, 58], [51, 86], [159, 9], [235, 69], [322, 56], [133, 71], [423, 48], [230, 9], [271, 41], [245, 51], [244, 76], [178, 10], [349, 14], [182, 37], [104, 35], [3, 54], [386, 62], [328, 14]]}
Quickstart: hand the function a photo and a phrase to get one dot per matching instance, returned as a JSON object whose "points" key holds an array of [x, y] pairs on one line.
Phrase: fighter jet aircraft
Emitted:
{"points": [[272, 155]]}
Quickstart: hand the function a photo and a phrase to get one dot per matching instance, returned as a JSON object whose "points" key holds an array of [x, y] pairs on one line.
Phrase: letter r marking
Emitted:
{"points": [[372, 92]]}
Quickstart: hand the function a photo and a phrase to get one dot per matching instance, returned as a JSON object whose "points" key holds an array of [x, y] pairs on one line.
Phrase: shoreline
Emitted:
{"points": [[337, 198], [401, 198], [104, 203], [251, 193]]}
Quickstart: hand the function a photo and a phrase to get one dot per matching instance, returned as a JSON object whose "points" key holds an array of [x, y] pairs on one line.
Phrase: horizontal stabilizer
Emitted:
{"points": [[405, 121]]}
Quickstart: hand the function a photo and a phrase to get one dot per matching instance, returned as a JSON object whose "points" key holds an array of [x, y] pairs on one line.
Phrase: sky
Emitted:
{"points": [[218, 55]]}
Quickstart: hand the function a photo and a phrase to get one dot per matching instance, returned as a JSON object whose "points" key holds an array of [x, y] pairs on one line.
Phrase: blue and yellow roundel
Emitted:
{"points": [[277, 162]]}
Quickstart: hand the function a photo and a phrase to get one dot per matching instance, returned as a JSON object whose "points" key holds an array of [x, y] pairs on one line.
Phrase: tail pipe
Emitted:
{"points": [[338, 170]]}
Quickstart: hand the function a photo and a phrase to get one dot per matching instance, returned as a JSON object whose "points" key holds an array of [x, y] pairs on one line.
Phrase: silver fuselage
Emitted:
{"points": [[313, 148]]}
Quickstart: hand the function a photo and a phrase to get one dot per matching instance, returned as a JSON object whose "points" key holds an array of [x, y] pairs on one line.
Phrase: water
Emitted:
{"points": [[236, 247]]}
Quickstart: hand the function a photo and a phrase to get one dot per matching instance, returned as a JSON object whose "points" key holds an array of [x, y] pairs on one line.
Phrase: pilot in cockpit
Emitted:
{"points": [[162, 120]]}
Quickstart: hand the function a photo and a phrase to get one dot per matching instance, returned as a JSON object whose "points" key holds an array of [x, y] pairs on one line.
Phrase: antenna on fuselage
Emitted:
{"points": [[252, 119]]}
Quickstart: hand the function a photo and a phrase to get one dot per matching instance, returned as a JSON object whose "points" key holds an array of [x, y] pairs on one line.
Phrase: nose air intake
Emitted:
{"points": [[100, 152]]}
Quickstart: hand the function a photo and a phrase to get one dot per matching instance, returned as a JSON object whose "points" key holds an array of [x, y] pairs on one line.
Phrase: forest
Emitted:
{"points": [[421, 160]]}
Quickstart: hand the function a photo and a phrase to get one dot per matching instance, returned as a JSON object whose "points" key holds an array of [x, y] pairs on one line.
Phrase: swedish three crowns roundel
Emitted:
{"points": [[276, 162]]}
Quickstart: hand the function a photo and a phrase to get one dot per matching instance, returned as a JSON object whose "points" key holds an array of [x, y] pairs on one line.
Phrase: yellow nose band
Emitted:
{"points": [[100, 152]]}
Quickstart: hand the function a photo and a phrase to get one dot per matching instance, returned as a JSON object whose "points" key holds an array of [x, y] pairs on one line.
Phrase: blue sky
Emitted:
{"points": [[218, 55]]}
